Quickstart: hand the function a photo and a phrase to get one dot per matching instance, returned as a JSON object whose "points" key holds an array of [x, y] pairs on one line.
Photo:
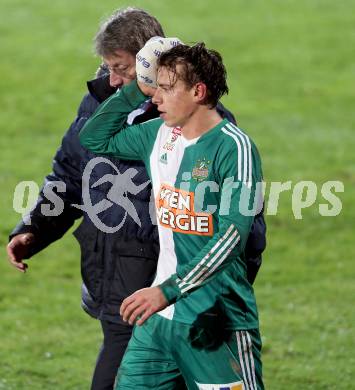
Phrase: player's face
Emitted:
{"points": [[174, 99], [122, 66]]}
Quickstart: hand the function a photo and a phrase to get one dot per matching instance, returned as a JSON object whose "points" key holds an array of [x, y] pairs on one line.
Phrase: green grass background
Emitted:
{"points": [[291, 67]]}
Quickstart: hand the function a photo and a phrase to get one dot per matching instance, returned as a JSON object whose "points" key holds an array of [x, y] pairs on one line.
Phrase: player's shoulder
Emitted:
{"points": [[231, 136]]}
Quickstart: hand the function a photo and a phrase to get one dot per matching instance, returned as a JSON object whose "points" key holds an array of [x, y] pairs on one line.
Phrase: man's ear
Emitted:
{"points": [[200, 92]]}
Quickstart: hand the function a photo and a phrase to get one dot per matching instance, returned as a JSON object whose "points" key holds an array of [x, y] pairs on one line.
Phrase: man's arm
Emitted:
{"points": [[255, 246], [28, 239], [102, 133]]}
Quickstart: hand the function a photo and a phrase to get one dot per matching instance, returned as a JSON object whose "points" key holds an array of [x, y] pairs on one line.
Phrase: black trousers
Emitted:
{"points": [[116, 338]]}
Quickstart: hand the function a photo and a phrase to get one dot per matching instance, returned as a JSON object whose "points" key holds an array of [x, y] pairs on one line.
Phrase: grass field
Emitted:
{"points": [[291, 67]]}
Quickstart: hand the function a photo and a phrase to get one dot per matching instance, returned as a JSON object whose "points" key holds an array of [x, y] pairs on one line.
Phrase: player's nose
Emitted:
{"points": [[156, 99]]}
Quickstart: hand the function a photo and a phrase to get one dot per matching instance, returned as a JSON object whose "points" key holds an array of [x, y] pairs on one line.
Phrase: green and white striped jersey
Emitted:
{"points": [[203, 189]]}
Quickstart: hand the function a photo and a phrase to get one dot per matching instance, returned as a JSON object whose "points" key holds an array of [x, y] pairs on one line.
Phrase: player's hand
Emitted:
{"points": [[142, 304], [18, 249], [146, 61], [146, 89]]}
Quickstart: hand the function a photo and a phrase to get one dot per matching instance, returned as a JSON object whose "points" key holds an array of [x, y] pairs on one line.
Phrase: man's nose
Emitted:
{"points": [[116, 81]]}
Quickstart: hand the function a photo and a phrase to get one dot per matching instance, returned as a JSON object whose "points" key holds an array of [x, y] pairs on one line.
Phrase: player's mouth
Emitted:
{"points": [[162, 114]]}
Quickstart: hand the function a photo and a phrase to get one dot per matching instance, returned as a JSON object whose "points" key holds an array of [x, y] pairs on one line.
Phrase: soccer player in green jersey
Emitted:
{"points": [[198, 324]]}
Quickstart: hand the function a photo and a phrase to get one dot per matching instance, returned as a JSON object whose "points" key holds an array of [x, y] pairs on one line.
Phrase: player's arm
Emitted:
{"points": [[104, 132]]}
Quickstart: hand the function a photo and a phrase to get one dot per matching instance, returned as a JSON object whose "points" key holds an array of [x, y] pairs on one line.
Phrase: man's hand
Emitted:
{"points": [[143, 303], [18, 249]]}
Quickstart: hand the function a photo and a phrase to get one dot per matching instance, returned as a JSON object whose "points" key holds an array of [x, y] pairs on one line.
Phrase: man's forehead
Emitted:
{"points": [[119, 57]]}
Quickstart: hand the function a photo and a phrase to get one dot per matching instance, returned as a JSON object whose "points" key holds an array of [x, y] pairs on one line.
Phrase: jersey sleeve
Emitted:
{"points": [[235, 217], [105, 132]]}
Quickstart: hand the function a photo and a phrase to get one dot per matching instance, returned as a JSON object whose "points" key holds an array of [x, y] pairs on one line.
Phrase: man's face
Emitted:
{"points": [[174, 99], [122, 66]]}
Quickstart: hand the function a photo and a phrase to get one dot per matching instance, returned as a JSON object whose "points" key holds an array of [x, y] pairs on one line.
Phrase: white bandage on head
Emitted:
{"points": [[146, 58]]}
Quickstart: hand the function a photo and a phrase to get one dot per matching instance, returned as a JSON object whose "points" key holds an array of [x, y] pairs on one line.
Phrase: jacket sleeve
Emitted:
{"points": [[255, 246], [233, 230], [104, 133], [67, 171]]}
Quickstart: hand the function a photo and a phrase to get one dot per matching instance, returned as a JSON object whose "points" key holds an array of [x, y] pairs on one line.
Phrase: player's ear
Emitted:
{"points": [[200, 92]]}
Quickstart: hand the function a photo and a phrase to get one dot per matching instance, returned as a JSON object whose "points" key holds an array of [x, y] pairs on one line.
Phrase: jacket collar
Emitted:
{"points": [[100, 88]]}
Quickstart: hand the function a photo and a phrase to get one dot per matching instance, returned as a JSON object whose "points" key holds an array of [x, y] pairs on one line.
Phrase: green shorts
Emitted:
{"points": [[167, 355]]}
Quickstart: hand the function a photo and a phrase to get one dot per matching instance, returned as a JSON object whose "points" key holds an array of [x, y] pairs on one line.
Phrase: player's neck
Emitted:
{"points": [[201, 121]]}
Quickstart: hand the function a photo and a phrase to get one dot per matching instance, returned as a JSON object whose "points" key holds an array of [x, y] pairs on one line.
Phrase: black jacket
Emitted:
{"points": [[115, 264]]}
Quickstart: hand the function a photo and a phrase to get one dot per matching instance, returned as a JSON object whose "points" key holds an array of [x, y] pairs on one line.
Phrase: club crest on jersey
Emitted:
{"points": [[174, 135], [230, 386], [200, 170]]}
